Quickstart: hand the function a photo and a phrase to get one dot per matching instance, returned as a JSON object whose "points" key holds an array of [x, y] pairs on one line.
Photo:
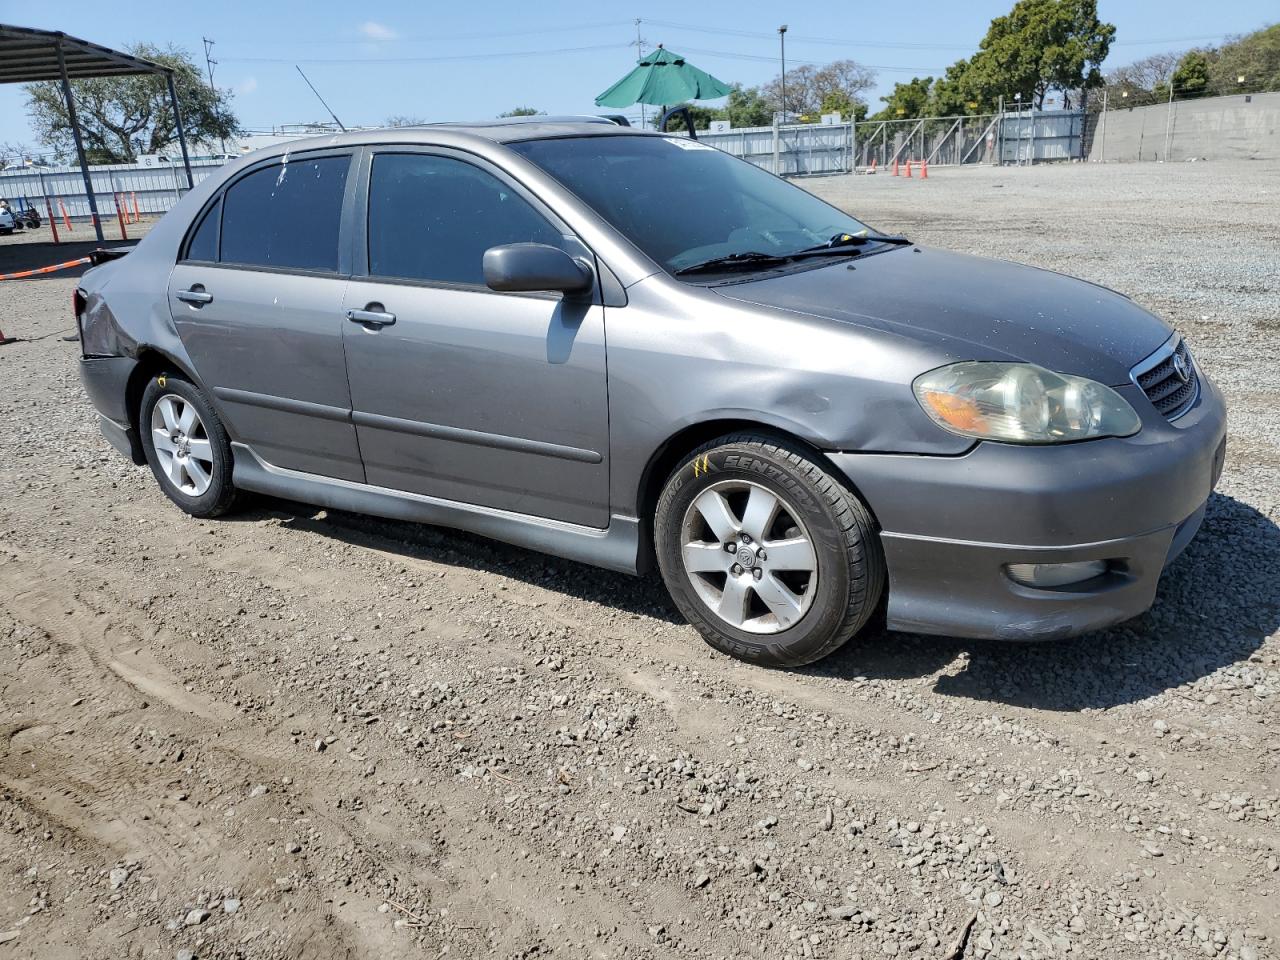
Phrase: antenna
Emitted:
{"points": [[320, 98]]}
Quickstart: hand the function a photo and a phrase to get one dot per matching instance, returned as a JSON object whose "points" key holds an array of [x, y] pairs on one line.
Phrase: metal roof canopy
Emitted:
{"points": [[29, 56]]}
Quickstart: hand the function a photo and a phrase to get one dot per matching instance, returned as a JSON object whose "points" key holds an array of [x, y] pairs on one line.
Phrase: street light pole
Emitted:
{"points": [[782, 42]]}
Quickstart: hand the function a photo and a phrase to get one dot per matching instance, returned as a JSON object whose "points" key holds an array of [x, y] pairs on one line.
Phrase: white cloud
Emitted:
{"points": [[247, 85], [377, 31]]}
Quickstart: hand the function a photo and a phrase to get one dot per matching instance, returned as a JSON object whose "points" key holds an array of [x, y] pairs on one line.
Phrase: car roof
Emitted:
{"points": [[506, 130]]}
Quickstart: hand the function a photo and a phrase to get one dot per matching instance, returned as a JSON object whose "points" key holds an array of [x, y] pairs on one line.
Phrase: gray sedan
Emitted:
{"points": [[633, 350]]}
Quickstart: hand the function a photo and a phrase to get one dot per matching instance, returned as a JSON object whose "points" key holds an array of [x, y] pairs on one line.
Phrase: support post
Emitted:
{"points": [[1168, 123], [1102, 139], [75, 133], [182, 135]]}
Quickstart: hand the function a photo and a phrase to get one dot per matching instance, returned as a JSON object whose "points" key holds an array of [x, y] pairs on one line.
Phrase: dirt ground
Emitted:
{"points": [[300, 734]]}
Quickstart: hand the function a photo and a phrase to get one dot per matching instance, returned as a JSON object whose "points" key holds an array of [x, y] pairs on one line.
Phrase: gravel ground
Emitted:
{"points": [[306, 734]]}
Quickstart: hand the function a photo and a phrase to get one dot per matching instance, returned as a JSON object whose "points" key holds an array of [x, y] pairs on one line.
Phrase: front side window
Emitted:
{"points": [[683, 202], [432, 218], [286, 215]]}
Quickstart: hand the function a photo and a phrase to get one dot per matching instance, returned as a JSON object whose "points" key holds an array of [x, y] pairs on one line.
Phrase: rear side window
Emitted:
{"points": [[204, 242], [286, 215], [432, 218]]}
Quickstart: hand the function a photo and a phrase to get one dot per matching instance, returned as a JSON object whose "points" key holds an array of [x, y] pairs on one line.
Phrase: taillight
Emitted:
{"points": [[78, 304]]}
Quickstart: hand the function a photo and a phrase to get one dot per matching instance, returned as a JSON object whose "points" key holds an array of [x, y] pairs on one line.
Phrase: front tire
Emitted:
{"points": [[186, 446], [770, 557]]}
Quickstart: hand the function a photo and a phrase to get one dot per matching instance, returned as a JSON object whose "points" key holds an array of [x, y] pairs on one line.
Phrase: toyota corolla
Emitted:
{"points": [[636, 351]]}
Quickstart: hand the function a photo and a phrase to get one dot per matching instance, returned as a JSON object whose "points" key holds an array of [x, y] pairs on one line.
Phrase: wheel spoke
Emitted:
{"points": [[199, 476], [173, 470], [794, 554], [162, 442], [715, 510], [187, 420], [706, 558], [201, 450], [167, 410], [784, 604], [735, 600], [762, 507]]}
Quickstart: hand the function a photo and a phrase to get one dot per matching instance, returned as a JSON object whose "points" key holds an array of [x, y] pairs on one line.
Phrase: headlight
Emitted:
{"points": [[1022, 403]]}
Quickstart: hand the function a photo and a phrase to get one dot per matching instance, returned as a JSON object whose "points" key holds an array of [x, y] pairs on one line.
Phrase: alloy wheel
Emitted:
{"points": [[182, 445], [749, 556]]}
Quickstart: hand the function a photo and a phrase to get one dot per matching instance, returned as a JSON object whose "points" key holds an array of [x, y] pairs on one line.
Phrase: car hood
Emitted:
{"points": [[973, 308]]}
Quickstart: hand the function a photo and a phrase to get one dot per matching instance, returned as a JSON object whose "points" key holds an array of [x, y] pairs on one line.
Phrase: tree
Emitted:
{"points": [[523, 112], [1191, 79], [907, 101], [701, 116], [747, 107], [842, 83], [1255, 57], [403, 120], [121, 117], [1141, 82], [1039, 46]]}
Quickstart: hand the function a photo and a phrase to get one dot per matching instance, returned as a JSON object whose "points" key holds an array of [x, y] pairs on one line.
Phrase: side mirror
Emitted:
{"points": [[524, 267]]}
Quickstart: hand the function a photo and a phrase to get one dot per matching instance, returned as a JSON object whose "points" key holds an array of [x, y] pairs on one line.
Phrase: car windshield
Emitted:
{"points": [[684, 203]]}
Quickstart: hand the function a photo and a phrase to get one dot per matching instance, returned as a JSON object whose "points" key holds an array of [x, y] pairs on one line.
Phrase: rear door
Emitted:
{"points": [[257, 301], [469, 395]]}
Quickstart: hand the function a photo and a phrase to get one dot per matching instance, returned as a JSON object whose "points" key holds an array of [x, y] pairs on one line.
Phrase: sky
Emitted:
{"points": [[373, 60]]}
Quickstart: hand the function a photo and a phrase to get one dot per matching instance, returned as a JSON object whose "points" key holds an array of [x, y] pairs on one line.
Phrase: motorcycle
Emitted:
{"points": [[30, 218]]}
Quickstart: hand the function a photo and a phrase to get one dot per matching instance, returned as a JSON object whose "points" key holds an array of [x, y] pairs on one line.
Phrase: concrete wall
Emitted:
{"points": [[1213, 128]]}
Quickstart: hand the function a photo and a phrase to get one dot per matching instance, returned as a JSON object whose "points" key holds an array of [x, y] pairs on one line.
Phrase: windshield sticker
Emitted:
{"points": [[684, 144]]}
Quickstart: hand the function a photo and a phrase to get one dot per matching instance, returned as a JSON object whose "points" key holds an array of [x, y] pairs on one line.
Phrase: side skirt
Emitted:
{"points": [[616, 547]]}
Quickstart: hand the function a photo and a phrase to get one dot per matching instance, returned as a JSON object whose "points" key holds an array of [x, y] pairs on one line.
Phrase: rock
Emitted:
{"points": [[196, 917], [258, 791], [185, 954], [294, 847], [701, 881], [993, 899], [230, 905], [845, 911], [117, 877]]}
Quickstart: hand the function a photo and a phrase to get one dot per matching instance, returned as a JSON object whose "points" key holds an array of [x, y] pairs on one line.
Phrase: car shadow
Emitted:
{"points": [[644, 596], [1215, 606]]}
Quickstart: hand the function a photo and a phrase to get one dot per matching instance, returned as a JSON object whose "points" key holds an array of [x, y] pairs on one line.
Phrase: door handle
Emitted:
{"points": [[372, 318], [196, 296]]}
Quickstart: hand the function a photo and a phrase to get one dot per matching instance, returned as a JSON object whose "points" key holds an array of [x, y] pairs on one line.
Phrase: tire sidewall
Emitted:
{"points": [[827, 612], [217, 498]]}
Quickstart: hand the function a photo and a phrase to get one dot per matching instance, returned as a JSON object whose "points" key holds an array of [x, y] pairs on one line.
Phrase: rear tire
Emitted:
{"points": [[186, 446], [770, 557]]}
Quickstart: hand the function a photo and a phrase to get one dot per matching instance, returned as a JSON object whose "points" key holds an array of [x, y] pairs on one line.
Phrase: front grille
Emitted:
{"points": [[1158, 377]]}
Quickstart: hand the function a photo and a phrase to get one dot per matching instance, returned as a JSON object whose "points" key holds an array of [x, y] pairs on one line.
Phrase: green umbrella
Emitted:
{"points": [[660, 78]]}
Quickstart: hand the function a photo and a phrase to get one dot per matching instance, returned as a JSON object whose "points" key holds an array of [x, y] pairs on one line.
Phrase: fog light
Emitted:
{"points": [[1046, 575]]}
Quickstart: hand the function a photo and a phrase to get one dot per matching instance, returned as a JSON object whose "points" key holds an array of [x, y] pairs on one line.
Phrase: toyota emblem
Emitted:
{"points": [[1181, 368]]}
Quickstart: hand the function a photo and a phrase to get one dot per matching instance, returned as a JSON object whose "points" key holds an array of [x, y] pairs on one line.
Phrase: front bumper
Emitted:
{"points": [[951, 525]]}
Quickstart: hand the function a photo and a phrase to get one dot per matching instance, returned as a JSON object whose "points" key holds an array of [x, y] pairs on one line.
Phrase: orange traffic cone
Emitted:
{"points": [[908, 169], [924, 169], [895, 166]]}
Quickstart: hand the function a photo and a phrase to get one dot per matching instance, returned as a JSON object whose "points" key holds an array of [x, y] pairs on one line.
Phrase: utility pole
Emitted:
{"points": [[1168, 122], [209, 64], [640, 56], [782, 43]]}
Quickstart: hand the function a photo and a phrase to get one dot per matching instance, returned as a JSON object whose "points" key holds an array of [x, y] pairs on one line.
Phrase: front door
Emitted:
{"points": [[257, 301], [459, 392]]}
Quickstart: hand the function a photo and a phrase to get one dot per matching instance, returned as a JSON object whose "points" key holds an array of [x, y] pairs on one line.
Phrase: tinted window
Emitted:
{"points": [[432, 218], [204, 242], [682, 202], [286, 215]]}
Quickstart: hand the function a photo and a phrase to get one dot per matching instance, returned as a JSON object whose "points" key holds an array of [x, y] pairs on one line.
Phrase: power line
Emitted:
{"points": [[437, 38], [546, 51]]}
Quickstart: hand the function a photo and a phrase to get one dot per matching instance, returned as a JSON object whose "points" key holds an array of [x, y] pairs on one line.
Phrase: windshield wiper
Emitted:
{"points": [[841, 241], [838, 245], [733, 261]]}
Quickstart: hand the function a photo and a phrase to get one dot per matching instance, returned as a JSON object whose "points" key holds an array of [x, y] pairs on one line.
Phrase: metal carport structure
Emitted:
{"points": [[28, 55]]}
